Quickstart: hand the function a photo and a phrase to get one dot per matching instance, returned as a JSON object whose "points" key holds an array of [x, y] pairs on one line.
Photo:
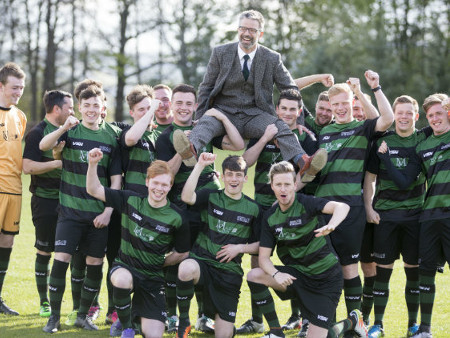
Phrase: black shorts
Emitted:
{"points": [[149, 299], [221, 291], [434, 244], [44, 213], [367, 244], [114, 229], [318, 296], [347, 237], [392, 238], [89, 240]]}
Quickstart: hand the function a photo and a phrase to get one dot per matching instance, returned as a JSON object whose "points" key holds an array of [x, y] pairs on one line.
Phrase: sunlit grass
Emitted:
{"points": [[20, 293]]}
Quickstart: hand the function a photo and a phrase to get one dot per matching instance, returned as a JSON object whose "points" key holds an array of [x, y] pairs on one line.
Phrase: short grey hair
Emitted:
{"points": [[254, 15]]}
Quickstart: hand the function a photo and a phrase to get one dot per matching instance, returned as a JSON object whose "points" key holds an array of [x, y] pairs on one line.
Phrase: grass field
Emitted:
{"points": [[20, 293]]}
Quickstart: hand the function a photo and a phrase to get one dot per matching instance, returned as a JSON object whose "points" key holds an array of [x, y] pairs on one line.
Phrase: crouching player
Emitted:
{"points": [[231, 229], [311, 272], [151, 226]]}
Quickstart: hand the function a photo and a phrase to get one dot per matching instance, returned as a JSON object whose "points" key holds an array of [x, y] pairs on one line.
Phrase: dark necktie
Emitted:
{"points": [[245, 70]]}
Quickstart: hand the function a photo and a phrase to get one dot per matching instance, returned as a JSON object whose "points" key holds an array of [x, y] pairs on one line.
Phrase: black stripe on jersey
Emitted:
{"points": [[135, 242], [202, 252], [341, 177], [437, 167], [262, 167], [75, 191], [335, 135], [138, 188], [220, 238], [229, 215], [79, 168], [264, 189], [138, 165], [45, 182], [139, 264], [430, 214], [87, 145], [81, 215], [399, 195], [347, 153], [310, 259], [438, 189], [157, 226]]}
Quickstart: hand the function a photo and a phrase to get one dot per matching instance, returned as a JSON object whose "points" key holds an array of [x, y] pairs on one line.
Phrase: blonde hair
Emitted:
{"points": [[433, 99], [282, 167]]}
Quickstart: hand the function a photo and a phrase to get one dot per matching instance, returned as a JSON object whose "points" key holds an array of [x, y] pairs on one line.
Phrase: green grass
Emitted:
{"points": [[20, 293]]}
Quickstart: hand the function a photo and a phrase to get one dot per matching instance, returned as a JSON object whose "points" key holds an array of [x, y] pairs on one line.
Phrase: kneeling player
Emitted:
{"points": [[215, 260], [151, 226], [311, 272]]}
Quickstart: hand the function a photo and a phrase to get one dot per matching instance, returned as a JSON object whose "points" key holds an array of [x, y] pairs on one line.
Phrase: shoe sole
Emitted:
{"points": [[318, 162], [183, 148]]}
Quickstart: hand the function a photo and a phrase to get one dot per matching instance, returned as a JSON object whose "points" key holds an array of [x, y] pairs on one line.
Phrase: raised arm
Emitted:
{"points": [[93, 185], [134, 134], [251, 155], [386, 113], [326, 79], [233, 139], [369, 109], [188, 194], [51, 140], [368, 193]]}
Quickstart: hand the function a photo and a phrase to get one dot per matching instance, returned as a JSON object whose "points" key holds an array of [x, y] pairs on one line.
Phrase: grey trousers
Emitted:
{"points": [[249, 126]]}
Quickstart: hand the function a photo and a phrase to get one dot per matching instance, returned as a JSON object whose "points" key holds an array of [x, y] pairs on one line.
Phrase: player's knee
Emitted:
{"points": [[122, 279], [254, 275], [188, 269]]}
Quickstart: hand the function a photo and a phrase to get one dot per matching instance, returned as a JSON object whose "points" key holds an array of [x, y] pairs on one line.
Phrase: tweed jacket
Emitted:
{"points": [[268, 70]]}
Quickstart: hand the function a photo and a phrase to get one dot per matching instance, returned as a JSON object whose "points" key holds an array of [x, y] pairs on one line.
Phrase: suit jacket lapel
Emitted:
{"points": [[258, 66]]}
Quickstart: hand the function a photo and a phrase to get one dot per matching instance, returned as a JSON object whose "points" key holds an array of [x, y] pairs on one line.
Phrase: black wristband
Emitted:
{"points": [[273, 276], [376, 89]]}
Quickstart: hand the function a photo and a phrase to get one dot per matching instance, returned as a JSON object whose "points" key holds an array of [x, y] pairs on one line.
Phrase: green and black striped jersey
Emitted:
{"points": [[292, 232], [74, 201], [271, 154], [165, 151], [434, 153], [228, 221], [148, 233], [43, 185], [346, 144], [395, 203], [136, 160]]}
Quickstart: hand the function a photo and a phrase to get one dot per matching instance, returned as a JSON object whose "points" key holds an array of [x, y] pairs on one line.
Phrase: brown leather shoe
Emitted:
{"points": [[312, 165], [184, 147]]}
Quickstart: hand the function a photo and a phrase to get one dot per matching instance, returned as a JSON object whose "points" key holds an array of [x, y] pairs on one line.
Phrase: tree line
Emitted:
{"points": [[125, 42]]}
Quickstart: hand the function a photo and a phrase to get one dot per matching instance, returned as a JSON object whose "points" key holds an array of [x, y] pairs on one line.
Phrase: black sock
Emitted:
{"points": [[41, 273], [57, 285], [91, 286], [5, 255]]}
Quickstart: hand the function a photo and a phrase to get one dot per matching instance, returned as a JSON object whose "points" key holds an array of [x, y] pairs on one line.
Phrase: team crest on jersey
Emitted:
{"points": [[139, 232], [221, 226], [332, 146], [275, 157], [84, 156], [401, 162]]}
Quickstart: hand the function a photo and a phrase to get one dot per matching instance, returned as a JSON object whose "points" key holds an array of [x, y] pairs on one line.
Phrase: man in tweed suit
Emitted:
{"points": [[239, 82]]}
